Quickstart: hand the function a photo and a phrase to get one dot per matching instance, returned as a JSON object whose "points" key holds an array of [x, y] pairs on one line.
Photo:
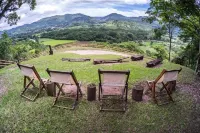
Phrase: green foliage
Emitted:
{"points": [[187, 56], [99, 35], [161, 52], [5, 42], [132, 46], [19, 49], [149, 53], [25, 49], [159, 32], [8, 9]]}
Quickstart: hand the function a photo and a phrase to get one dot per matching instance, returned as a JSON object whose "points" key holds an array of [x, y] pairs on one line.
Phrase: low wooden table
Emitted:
{"points": [[154, 62], [137, 57], [76, 59], [137, 93], [50, 88], [91, 92]]}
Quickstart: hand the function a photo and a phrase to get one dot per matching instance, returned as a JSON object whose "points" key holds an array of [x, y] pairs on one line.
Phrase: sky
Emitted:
{"points": [[93, 8]]}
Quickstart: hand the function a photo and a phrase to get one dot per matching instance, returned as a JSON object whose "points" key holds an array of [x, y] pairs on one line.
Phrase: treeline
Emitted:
{"points": [[97, 34]]}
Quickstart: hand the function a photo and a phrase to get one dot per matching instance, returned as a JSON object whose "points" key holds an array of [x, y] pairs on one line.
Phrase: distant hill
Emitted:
{"points": [[80, 21]]}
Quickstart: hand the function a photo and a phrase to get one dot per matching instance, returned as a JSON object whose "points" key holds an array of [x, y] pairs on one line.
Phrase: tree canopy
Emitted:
{"points": [[8, 9]]}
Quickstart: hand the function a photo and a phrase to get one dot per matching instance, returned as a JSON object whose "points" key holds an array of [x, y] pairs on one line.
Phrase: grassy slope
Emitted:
{"points": [[52, 42], [19, 115]]}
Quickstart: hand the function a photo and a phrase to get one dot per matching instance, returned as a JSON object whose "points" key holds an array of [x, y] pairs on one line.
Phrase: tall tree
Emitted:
{"points": [[8, 9], [189, 22], [162, 12]]}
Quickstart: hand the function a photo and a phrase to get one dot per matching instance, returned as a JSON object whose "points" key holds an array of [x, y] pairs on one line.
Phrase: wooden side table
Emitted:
{"points": [[137, 93], [91, 92], [51, 89]]}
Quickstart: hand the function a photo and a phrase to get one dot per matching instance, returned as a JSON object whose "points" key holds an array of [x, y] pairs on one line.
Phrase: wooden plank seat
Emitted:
{"points": [[137, 57], [154, 63], [5, 61], [104, 61], [76, 59]]}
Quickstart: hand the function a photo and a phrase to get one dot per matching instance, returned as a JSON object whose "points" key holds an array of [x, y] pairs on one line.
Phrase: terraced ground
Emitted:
{"points": [[20, 115]]}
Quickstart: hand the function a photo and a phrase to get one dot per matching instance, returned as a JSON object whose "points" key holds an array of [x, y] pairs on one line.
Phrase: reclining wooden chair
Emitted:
{"points": [[113, 83], [65, 79], [165, 79], [31, 74]]}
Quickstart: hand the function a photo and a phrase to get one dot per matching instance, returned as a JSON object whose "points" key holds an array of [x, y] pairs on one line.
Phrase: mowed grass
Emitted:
{"points": [[52, 42], [20, 115]]}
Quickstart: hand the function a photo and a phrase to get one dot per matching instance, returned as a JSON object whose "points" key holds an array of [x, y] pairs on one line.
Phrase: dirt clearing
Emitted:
{"points": [[96, 52]]}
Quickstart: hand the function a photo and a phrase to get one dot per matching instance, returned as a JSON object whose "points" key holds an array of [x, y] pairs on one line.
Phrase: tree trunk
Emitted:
{"points": [[197, 70], [170, 39], [170, 47]]}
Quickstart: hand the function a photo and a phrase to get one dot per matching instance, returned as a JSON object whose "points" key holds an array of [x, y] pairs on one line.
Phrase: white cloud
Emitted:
{"points": [[47, 8]]}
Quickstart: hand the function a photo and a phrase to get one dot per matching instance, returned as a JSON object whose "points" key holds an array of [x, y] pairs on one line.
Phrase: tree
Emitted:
{"points": [[5, 42], [189, 22], [162, 12], [159, 32], [8, 9]]}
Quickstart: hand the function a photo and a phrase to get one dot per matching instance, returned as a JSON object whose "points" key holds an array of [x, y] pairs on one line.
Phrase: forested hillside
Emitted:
{"points": [[80, 21]]}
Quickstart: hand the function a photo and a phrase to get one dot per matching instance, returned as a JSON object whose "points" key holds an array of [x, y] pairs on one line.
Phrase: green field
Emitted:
{"points": [[20, 115], [52, 42]]}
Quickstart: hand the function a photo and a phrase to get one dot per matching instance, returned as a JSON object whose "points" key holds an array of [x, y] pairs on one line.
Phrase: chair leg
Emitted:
{"points": [[99, 93], [154, 93], [126, 98], [26, 86], [32, 82], [57, 95], [168, 92]]}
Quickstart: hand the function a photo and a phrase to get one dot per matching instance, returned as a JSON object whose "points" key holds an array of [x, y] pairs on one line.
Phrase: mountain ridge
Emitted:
{"points": [[68, 20]]}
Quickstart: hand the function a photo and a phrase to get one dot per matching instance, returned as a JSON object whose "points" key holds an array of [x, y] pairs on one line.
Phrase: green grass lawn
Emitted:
{"points": [[52, 42], [20, 115]]}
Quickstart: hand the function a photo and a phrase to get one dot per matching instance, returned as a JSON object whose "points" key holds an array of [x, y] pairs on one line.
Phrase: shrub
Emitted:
{"points": [[161, 52]]}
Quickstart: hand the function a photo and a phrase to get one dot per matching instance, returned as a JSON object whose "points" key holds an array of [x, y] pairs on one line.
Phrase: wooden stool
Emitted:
{"points": [[137, 93], [91, 92], [51, 90]]}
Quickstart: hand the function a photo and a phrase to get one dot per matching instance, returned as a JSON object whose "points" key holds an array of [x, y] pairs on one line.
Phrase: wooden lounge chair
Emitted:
{"points": [[165, 79], [65, 79], [31, 75], [113, 83]]}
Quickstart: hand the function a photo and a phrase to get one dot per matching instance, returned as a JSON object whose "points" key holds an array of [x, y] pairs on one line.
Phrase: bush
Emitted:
{"points": [[161, 52]]}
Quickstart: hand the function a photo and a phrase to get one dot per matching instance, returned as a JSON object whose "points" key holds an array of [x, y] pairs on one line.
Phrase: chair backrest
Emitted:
{"points": [[167, 76], [61, 77], [29, 71], [113, 78]]}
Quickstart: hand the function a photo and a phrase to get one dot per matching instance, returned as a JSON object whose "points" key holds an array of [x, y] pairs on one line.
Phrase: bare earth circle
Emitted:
{"points": [[95, 52]]}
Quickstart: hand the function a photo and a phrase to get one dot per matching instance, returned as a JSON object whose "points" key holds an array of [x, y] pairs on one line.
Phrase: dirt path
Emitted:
{"points": [[194, 90], [2, 87], [96, 52]]}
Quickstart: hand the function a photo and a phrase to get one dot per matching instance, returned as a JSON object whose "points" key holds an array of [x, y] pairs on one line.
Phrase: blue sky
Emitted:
{"points": [[94, 8]]}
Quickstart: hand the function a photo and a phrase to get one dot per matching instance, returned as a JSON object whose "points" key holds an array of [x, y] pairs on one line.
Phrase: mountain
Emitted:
{"points": [[81, 20]]}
